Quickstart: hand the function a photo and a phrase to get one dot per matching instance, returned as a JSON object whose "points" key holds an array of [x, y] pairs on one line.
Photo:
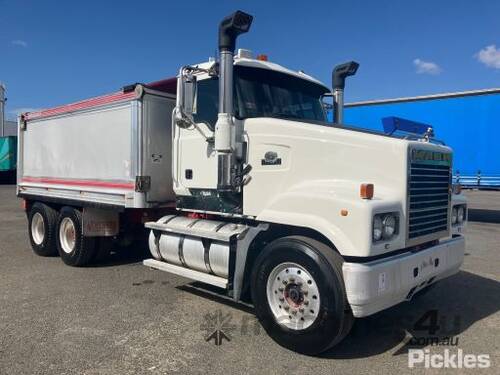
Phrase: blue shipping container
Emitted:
{"points": [[469, 122]]}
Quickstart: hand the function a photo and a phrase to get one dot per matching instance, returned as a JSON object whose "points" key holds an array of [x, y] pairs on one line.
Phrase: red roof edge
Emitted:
{"points": [[168, 85]]}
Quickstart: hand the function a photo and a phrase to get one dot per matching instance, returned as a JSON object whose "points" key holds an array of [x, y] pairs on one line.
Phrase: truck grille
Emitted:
{"points": [[429, 196]]}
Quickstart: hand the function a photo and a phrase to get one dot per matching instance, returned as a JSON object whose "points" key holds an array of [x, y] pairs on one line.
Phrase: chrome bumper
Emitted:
{"points": [[377, 285]]}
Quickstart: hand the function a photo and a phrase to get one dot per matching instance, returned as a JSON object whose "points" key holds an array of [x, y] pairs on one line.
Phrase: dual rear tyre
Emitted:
{"points": [[53, 233], [74, 249], [42, 223]]}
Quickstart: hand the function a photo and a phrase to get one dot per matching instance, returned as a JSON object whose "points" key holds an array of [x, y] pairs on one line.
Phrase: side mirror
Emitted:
{"points": [[328, 107], [189, 94], [186, 99], [186, 103]]}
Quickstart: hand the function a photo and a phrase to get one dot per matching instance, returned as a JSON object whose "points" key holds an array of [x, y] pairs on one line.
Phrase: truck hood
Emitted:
{"points": [[321, 151], [304, 169]]}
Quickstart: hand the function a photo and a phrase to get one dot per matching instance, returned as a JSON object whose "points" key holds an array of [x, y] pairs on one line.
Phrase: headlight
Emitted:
{"points": [[385, 226], [377, 228], [454, 215], [460, 214], [389, 226]]}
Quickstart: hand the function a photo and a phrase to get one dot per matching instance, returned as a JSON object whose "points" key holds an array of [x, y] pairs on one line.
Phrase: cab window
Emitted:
{"points": [[207, 101]]}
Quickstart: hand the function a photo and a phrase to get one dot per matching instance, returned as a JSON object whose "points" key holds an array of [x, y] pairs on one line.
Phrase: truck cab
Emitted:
{"points": [[261, 90], [300, 165], [379, 209]]}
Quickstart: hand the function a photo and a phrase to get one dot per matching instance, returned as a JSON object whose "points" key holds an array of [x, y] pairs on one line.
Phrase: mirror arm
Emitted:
{"points": [[206, 133], [185, 122], [189, 69]]}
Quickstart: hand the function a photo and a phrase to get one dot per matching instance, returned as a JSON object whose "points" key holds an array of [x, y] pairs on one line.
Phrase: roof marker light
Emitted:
{"points": [[262, 57], [244, 54]]}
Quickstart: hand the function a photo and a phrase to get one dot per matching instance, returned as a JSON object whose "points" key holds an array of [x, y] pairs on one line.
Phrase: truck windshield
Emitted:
{"points": [[265, 93]]}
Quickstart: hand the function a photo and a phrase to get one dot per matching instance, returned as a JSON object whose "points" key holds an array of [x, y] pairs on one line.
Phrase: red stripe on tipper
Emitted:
{"points": [[85, 183], [88, 103]]}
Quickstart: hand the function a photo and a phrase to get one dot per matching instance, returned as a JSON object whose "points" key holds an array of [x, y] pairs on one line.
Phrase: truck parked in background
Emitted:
{"points": [[468, 121], [8, 154], [244, 185]]}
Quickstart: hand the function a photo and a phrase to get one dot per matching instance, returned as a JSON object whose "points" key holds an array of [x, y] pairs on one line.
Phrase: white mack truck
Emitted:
{"points": [[243, 184]]}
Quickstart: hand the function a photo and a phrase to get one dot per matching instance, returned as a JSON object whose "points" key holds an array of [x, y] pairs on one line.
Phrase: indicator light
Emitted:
{"points": [[366, 191]]}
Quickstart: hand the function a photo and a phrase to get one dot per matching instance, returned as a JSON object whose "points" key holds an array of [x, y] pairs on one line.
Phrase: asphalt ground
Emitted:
{"points": [[119, 317]]}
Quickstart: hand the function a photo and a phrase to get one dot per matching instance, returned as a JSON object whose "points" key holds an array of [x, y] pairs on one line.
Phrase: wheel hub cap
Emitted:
{"points": [[37, 228], [293, 296], [67, 235]]}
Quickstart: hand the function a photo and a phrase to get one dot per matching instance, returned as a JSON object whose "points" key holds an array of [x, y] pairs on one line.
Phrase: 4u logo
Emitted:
{"points": [[433, 323]]}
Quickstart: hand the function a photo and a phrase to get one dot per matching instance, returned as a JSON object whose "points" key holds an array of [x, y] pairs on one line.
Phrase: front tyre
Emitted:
{"points": [[74, 249], [299, 294]]}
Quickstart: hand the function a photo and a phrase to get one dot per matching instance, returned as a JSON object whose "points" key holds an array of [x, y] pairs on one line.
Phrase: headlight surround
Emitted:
{"points": [[385, 226]]}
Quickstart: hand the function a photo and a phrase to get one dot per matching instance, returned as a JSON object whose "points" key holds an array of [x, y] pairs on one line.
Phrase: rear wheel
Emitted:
{"points": [[74, 248], [42, 222], [299, 295]]}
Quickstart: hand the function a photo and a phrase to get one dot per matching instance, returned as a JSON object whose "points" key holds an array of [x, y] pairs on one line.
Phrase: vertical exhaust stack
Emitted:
{"points": [[339, 74], [225, 139]]}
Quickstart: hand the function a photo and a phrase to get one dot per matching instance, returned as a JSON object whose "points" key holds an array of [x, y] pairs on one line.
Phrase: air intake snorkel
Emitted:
{"points": [[339, 74], [225, 136]]}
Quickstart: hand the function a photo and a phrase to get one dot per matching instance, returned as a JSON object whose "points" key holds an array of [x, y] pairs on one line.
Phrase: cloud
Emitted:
{"points": [[19, 42], [489, 56], [427, 67]]}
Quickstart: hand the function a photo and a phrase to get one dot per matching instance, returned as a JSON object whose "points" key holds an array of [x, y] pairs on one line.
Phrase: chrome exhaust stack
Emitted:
{"points": [[339, 74], [225, 136]]}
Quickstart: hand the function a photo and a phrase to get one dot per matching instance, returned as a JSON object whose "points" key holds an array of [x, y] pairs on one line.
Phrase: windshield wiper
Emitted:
{"points": [[284, 116]]}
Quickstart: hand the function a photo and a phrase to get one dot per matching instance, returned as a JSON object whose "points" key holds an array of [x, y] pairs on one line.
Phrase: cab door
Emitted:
{"points": [[195, 165]]}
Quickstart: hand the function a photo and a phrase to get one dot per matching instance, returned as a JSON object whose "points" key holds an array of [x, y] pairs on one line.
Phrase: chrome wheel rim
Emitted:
{"points": [[67, 235], [293, 296], [38, 228]]}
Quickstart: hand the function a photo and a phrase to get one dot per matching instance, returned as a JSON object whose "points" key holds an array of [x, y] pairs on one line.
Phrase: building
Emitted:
{"points": [[467, 121]]}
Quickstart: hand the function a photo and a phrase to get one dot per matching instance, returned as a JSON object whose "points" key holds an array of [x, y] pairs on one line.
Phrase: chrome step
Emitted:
{"points": [[187, 272]]}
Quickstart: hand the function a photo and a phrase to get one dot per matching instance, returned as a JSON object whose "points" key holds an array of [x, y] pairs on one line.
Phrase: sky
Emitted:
{"points": [[56, 52]]}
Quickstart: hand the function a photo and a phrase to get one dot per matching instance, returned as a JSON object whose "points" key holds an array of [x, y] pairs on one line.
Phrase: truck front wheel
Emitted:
{"points": [[42, 221], [299, 294], [74, 249]]}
